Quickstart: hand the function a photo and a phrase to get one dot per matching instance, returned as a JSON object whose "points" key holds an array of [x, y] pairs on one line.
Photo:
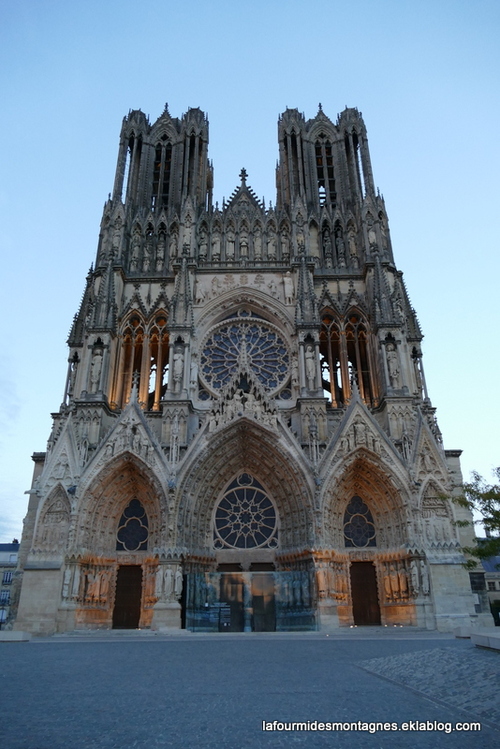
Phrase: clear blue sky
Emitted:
{"points": [[425, 76]]}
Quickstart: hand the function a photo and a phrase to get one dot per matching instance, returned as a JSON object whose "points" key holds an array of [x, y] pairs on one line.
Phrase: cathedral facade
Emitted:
{"points": [[246, 440]]}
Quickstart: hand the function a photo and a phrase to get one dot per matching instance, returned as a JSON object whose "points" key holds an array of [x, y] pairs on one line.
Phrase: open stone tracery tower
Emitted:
{"points": [[246, 440]]}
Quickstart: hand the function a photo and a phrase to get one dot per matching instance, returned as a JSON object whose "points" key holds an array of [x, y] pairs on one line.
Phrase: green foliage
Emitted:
{"points": [[484, 499]]}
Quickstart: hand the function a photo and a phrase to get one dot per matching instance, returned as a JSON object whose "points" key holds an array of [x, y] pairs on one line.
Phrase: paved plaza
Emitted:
{"points": [[146, 691]]}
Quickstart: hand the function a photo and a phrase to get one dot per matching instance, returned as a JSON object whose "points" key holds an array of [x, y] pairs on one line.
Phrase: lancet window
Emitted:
{"points": [[161, 173], [131, 168], [345, 355], [143, 361], [324, 171]]}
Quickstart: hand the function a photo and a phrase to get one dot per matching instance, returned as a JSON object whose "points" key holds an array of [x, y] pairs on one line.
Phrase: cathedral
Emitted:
{"points": [[246, 440]]}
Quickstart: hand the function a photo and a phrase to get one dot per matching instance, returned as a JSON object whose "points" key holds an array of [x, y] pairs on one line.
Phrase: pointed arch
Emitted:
{"points": [[244, 447], [143, 355], [384, 496], [53, 523], [120, 482]]}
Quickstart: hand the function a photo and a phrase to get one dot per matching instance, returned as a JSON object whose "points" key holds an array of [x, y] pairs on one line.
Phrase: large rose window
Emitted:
{"points": [[265, 350], [245, 517]]}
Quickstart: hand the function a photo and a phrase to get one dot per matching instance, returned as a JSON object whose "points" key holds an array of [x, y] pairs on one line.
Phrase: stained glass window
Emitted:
{"points": [[245, 517], [359, 529], [266, 352], [133, 530]]}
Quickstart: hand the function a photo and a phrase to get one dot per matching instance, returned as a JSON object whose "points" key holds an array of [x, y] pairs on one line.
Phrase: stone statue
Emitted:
{"points": [[172, 245], [230, 240], [392, 365], [216, 246], [178, 370], [243, 244], [257, 244], [178, 583], [193, 375], [289, 290], [310, 367], [95, 371]]}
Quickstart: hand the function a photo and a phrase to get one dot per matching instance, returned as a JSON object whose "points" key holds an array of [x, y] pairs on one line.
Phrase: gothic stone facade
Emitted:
{"points": [[246, 440]]}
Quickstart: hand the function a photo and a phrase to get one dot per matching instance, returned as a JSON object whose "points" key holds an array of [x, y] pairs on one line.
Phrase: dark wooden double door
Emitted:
{"points": [[364, 590], [128, 597]]}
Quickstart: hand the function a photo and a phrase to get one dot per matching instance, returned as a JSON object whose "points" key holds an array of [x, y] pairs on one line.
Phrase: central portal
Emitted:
{"points": [[365, 605], [127, 610]]}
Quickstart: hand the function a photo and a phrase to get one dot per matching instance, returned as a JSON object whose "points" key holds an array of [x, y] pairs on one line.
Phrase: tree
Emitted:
{"points": [[480, 497]]}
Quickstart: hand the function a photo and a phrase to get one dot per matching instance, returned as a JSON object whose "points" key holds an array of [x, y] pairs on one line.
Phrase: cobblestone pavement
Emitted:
{"points": [[208, 692], [466, 679]]}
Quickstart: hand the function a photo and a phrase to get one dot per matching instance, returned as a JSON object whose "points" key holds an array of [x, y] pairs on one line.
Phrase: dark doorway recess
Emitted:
{"points": [[127, 611], [264, 613], [365, 605]]}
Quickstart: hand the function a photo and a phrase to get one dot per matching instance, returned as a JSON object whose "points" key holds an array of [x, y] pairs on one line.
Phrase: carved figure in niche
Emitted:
{"points": [[148, 252], [257, 243], [327, 249], [372, 237], [285, 245], [169, 583], [117, 238], [323, 582], [178, 583], [405, 445], [72, 375], [398, 306], [136, 443], [104, 586], [387, 587], [415, 582], [288, 285], [216, 246], [93, 584], [159, 582], [160, 252], [427, 461], [340, 247], [300, 232], [95, 370], [66, 581], [193, 373], [295, 371], [271, 245], [353, 250], [230, 240], [186, 239], [425, 578], [383, 232], [203, 241], [216, 285], [403, 582], [199, 292], [178, 369], [135, 251], [244, 244], [272, 288], [173, 242], [392, 365], [310, 367], [359, 434]]}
